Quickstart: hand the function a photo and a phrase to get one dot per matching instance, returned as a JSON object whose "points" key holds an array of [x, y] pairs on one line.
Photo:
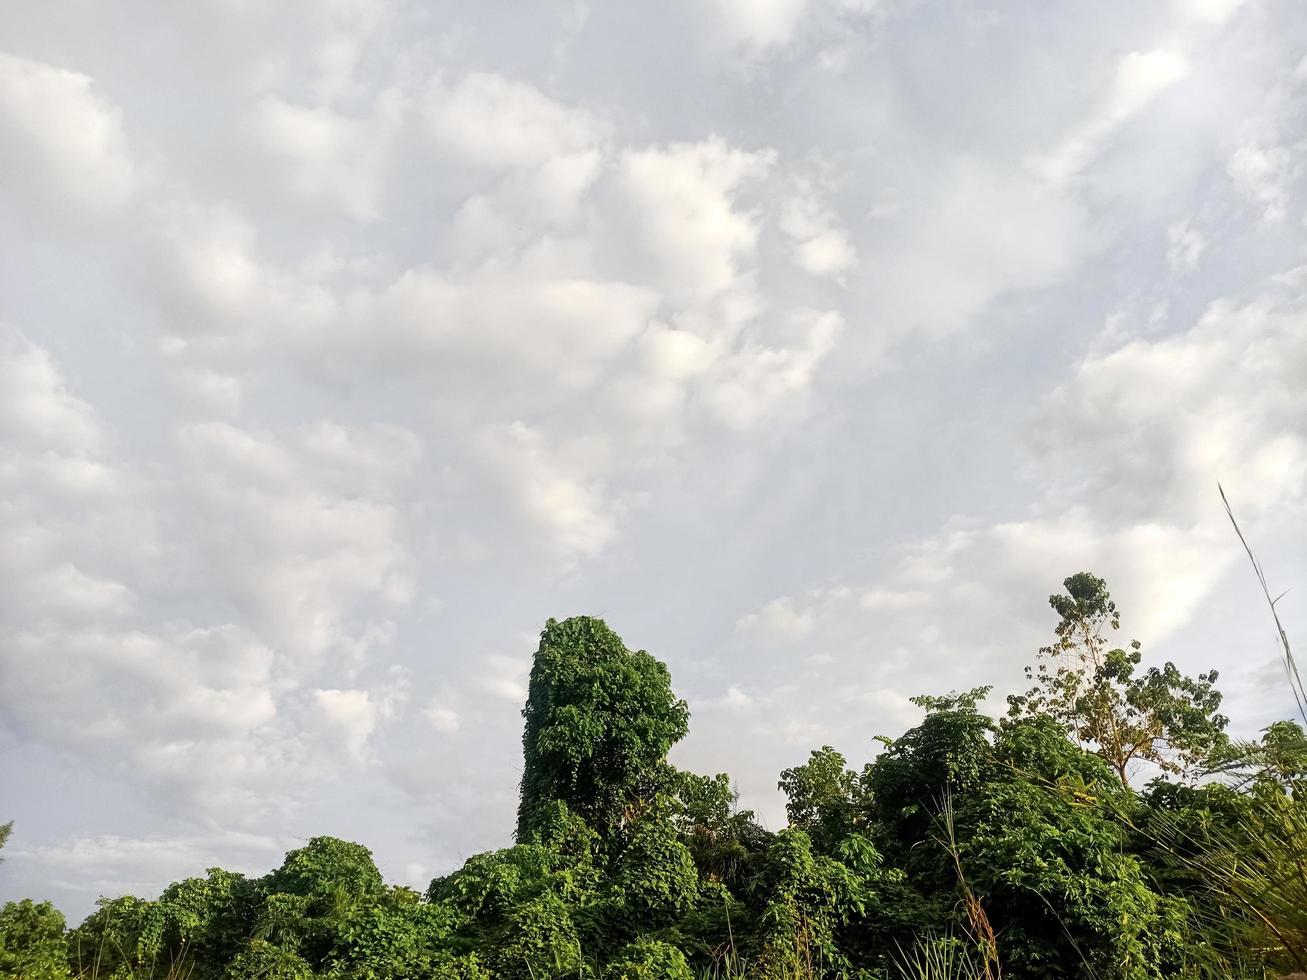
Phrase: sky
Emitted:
{"points": [[810, 343]]}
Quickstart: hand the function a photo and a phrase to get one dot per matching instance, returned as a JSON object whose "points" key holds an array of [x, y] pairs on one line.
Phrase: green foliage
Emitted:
{"points": [[1161, 717], [208, 920], [948, 754], [599, 722], [723, 840], [313, 902], [124, 937], [32, 941], [804, 898], [649, 959], [932, 957], [329, 872], [653, 881], [1062, 892], [261, 960], [967, 849], [824, 797], [400, 936], [536, 938]]}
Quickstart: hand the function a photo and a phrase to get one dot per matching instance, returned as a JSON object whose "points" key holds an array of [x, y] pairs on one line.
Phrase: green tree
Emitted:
{"points": [[123, 937], [208, 920], [948, 754], [653, 880], [724, 840], [649, 959], [33, 945], [314, 898], [824, 797], [600, 720], [1161, 717], [262, 960]]}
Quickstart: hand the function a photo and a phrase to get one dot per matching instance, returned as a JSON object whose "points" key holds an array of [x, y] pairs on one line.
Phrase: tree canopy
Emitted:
{"points": [[1160, 717], [969, 847]]}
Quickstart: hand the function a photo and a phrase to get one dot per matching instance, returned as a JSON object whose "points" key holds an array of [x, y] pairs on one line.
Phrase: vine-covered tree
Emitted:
{"points": [[1161, 717], [32, 941], [600, 720]]}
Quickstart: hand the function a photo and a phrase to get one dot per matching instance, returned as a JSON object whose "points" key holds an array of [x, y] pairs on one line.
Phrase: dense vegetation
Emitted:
{"points": [[1105, 828]]}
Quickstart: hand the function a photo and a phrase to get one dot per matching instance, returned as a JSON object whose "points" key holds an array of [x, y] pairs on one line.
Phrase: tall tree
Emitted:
{"points": [[600, 720], [1161, 716]]}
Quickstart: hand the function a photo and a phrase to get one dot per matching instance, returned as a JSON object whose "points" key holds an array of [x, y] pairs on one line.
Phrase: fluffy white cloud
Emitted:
{"points": [[1141, 76], [754, 381], [61, 138], [303, 559], [963, 238], [821, 246], [760, 26], [541, 314], [551, 490], [36, 408], [443, 719], [682, 200], [1261, 173], [207, 712], [498, 122], [353, 715], [109, 866], [1208, 11], [1147, 429], [328, 156]]}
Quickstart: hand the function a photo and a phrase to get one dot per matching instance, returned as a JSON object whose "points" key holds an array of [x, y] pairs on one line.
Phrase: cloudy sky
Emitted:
{"points": [[809, 342]]}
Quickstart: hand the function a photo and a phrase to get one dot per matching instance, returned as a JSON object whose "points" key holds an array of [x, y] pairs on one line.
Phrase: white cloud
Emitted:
{"points": [[293, 538], [1140, 78], [577, 322], [219, 292], [1208, 11], [329, 157], [352, 715], [306, 560], [36, 408], [970, 234], [1149, 428], [192, 712], [497, 122], [682, 199], [754, 381], [559, 496], [821, 246], [761, 26], [762, 23], [110, 866], [780, 618], [1261, 173], [62, 138], [1185, 245], [444, 720]]}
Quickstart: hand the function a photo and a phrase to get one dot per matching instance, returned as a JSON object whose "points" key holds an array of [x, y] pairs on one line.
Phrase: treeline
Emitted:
{"points": [[1105, 828]]}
